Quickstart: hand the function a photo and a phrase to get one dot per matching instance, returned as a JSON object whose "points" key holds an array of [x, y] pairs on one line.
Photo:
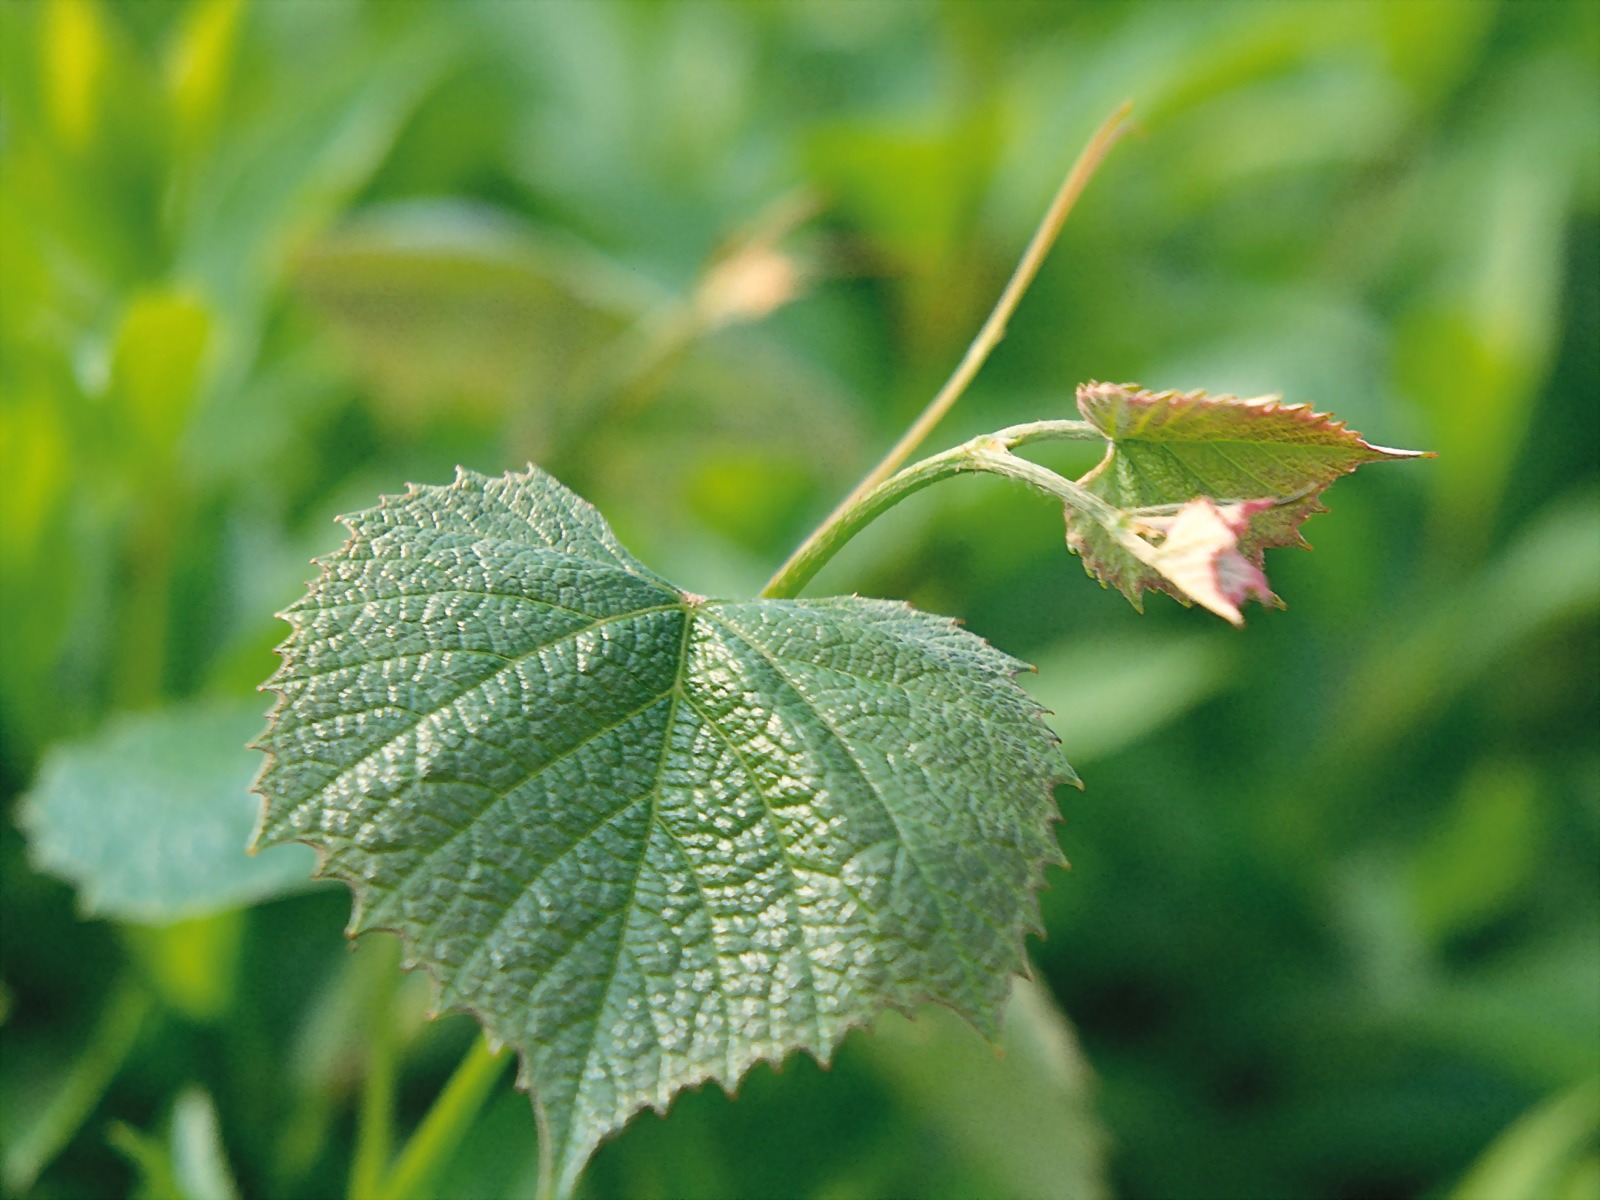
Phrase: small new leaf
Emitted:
{"points": [[1170, 448], [651, 839], [1198, 555]]}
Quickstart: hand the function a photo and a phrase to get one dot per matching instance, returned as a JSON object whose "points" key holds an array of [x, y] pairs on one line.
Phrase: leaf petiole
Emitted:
{"points": [[988, 453], [1048, 431]]}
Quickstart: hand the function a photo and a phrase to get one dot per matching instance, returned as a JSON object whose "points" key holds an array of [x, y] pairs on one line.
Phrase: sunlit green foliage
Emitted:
{"points": [[647, 838], [1331, 928]]}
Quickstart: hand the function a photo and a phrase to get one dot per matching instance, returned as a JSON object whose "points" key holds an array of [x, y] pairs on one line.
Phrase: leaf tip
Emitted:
{"points": [[1391, 452]]}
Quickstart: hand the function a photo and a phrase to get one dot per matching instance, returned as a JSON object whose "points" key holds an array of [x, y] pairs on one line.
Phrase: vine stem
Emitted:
{"points": [[990, 453], [989, 336]]}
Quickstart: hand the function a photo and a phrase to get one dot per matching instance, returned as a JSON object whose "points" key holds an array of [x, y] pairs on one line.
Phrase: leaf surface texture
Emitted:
{"points": [[651, 839]]}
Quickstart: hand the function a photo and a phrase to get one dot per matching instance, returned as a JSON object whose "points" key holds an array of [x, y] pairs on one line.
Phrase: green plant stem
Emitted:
{"points": [[994, 329], [990, 453], [375, 1124], [32, 1150], [987, 455], [1048, 431], [441, 1131]]}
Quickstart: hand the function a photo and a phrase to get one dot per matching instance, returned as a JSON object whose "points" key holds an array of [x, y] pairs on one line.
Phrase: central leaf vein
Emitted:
{"points": [[792, 868], [651, 822]]}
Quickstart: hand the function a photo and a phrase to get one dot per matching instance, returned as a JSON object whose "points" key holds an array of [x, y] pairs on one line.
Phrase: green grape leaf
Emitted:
{"points": [[1168, 449], [149, 818], [651, 839]]}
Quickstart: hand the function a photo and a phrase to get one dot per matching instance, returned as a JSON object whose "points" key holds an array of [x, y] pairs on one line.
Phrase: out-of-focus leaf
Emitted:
{"points": [[191, 964], [1549, 574], [156, 367], [189, 1163], [449, 305], [1107, 693], [200, 64], [199, 1161], [35, 457], [1431, 43], [640, 120], [1530, 1010], [1481, 856], [749, 496], [1023, 1117], [498, 1156], [467, 314], [149, 819], [1552, 1153], [45, 1129], [36, 579], [285, 176], [914, 189], [150, 1157], [736, 397], [651, 839], [1479, 342], [75, 52]]}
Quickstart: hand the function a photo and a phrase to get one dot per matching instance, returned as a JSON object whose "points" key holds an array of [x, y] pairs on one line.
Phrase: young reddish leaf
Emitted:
{"points": [[1199, 556], [1169, 448]]}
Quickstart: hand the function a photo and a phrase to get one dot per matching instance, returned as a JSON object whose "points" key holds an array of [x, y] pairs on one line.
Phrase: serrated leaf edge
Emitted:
{"points": [[986, 1025], [1136, 584], [1269, 404]]}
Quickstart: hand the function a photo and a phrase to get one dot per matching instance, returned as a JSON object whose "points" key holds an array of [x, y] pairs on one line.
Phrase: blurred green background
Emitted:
{"points": [[1334, 922]]}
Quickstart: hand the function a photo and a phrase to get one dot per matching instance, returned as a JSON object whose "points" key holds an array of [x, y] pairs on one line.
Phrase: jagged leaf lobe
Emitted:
{"points": [[648, 838]]}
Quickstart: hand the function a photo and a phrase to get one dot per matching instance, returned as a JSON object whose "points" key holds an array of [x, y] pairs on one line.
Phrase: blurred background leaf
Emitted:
{"points": [[1548, 1152], [150, 820]]}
